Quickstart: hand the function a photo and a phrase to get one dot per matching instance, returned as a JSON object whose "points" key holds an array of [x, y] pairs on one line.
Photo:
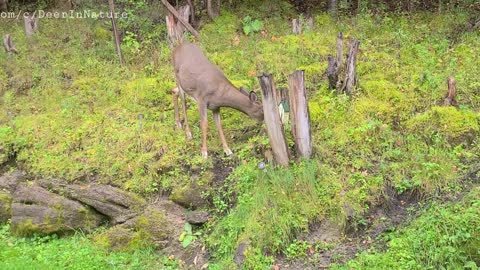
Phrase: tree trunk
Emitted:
{"points": [[8, 44], [210, 10], [452, 92], [296, 26], [332, 8], [299, 114], [31, 25], [175, 30], [192, 12], [3, 5], [115, 31], [351, 78], [335, 65], [275, 130], [180, 19]]}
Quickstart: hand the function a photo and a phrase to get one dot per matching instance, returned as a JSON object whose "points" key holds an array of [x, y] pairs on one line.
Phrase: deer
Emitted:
{"points": [[202, 80]]}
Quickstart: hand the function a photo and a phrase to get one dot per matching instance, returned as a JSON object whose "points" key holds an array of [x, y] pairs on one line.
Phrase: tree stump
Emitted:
{"points": [[296, 26], [335, 65], [276, 133], [351, 78], [310, 23], [31, 25], [8, 44], [452, 92], [299, 114]]}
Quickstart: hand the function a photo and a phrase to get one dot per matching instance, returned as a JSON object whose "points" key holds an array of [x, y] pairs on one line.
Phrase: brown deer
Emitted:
{"points": [[209, 87]]}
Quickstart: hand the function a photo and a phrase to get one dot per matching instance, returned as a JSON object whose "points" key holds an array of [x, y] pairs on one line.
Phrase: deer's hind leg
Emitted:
{"points": [[175, 95], [218, 122], [184, 107]]}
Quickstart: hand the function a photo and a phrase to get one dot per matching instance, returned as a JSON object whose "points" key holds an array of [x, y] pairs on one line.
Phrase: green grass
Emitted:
{"points": [[72, 252], [446, 236]]}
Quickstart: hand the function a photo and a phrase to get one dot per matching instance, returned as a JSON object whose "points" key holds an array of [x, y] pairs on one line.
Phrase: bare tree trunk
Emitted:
{"points": [[275, 130], [299, 114], [192, 12], [31, 25], [296, 26], [3, 5], [332, 8], [8, 44], [180, 19], [351, 78], [115, 31], [452, 92], [211, 12]]}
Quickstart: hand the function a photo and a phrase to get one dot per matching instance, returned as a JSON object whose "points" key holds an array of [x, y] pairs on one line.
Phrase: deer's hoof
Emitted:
{"points": [[228, 152]]}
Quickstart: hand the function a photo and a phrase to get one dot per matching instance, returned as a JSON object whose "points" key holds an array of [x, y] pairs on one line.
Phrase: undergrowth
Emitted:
{"points": [[444, 237]]}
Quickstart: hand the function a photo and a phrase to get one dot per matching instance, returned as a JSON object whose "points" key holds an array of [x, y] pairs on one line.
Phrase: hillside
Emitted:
{"points": [[394, 176]]}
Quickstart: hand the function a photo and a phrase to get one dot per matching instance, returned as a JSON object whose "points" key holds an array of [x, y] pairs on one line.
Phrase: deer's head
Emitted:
{"points": [[256, 110]]}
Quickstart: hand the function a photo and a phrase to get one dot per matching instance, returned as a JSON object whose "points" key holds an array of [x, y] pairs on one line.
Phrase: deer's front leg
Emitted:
{"points": [[202, 109], [175, 94], [218, 122], [184, 105]]}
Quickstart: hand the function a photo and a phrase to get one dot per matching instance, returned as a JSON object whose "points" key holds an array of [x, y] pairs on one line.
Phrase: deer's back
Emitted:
{"points": [[195, 73]]}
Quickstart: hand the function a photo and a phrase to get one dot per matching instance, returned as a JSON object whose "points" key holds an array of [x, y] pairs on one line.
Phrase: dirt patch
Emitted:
{"points": [[355, 237]]}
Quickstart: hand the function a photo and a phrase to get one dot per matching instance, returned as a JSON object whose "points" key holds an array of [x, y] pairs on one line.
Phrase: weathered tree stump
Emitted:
{"points": [[174, 12], [296, 26], [211, 11], [452, 92], [175, 30], [351, 78], [8, 44], [31, 25], [274, 125], [299, 114], [335, 65], [310, 23]]}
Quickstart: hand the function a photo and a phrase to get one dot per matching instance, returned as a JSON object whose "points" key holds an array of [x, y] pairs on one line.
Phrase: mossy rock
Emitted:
{"points": [[37, 211], [5, 206], [456, 125], [190, 196], [152, 228]]}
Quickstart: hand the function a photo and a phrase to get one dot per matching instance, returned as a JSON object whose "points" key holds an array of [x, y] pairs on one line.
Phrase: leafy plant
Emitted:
{"points": [[187, 236], [251, 25]]}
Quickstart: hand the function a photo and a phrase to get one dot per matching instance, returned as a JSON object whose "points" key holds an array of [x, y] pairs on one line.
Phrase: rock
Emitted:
{"points": [[5, 206], [160, 225], [197, 217], [189, 196], [36, 210], [118, 205], [240, 254], [10, 181]]}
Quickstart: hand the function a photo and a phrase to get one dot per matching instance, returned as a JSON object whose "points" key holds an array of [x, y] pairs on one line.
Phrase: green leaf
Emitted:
{"points": [[188, 228], [187, 241]]}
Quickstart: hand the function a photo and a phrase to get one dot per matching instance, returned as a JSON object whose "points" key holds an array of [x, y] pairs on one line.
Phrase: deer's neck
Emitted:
{"points": [[231, 97]]}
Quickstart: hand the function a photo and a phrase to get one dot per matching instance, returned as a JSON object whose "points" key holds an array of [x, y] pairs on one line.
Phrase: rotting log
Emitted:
{"points": [[452, 92], [8, 44], [180, 19], [276, 133], [296, 26], [31, 25], [351, 78], [299, 114]]}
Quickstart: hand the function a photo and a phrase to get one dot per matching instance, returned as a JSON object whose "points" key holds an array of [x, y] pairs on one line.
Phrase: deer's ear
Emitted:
{"points": [[242, 90], [253, 97]]}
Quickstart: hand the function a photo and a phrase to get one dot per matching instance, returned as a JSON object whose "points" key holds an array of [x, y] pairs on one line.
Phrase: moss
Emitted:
{"points": [[5, 206], [116, 238], [454, 124]]}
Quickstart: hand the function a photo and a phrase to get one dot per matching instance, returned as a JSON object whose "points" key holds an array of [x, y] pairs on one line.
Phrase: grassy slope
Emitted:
{"points": [[80, 118]]}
